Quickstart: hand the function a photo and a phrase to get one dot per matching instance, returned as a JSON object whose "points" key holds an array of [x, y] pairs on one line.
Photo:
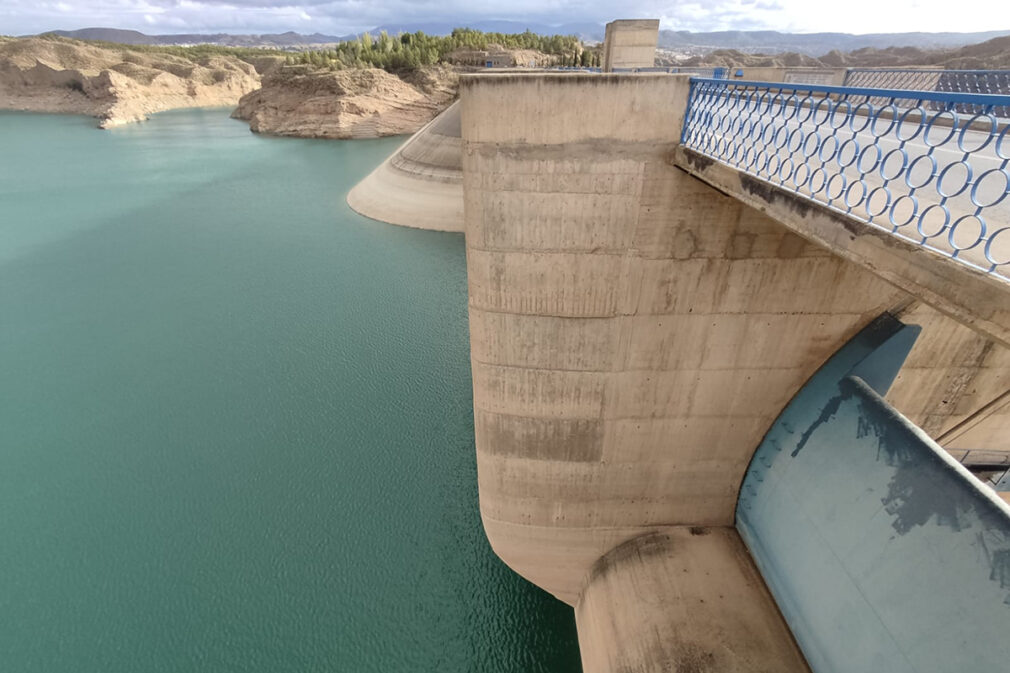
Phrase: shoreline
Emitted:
{"points": [[115, 85], [14, 109], [118, 86]]}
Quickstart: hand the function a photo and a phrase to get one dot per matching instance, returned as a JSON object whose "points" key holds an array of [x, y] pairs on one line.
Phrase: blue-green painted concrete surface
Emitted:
{"points": [[882, 552]]}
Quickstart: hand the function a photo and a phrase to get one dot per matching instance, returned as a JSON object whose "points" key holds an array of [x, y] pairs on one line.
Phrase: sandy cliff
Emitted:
{"points": [[115, 84], [991, 55], [353, 103]]}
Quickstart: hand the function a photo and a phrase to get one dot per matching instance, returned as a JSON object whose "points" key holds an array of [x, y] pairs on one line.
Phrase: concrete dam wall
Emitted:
{"points": [[634, 334]]}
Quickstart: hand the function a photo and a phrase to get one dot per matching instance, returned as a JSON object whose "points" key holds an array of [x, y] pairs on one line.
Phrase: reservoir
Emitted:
{"points": [[236, 426]]}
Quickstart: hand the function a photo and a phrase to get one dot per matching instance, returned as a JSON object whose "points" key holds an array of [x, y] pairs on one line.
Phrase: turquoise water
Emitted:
{"points": [[235, 417]]}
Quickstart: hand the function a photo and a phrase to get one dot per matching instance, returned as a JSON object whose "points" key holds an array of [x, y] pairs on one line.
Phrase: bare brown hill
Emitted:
{"points": [[116, 84], [990, 55]]}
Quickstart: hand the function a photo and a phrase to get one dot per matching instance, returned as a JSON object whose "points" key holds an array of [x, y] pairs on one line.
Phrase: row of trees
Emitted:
{"points": [[408, 51], [587, 59], [401, 53]]}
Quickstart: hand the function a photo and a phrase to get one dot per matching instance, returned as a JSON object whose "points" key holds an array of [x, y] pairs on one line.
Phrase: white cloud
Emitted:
{"points": [[345, 16]]}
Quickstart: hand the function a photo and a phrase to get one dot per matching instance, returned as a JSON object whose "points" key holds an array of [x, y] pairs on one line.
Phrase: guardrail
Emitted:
{"points": [[575, 68], [995, 82], [711, 73], [939, 178]]}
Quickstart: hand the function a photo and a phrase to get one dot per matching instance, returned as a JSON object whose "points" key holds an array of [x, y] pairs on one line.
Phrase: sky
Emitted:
{"points": [[342, 17]]}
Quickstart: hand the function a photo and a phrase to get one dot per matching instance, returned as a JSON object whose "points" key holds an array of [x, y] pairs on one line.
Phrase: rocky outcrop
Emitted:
{"points": [[119, 84], [353, 103], [115, 84]]}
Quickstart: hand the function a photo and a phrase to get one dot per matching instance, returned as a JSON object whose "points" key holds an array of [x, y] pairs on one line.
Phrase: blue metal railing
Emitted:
{"points": [[937, 177], [995, 82], [711, 73]]}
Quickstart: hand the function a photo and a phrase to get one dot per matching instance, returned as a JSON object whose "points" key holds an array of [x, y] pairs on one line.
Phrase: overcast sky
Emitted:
{"points": [[339, 17]]}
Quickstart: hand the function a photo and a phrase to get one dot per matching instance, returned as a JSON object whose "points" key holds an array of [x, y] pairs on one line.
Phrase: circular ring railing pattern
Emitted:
{"points": [[918, 79], [911, 162]]}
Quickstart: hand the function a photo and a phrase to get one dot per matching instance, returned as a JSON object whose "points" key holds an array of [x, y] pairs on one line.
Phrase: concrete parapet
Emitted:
{"points": [[630, 43]]}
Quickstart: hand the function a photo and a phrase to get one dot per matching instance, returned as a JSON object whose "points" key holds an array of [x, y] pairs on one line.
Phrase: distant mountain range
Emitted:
{"points": [[590, 32], [816, 44], [281, 40], [756, 41]]}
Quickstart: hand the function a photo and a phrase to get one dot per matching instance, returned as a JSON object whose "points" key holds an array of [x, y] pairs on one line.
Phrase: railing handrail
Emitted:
{"points": [[930, 70], [868, 154], [984, 99]]}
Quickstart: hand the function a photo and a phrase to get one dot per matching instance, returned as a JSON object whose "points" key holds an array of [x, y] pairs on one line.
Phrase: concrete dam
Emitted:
{"points": [[729, 426]]}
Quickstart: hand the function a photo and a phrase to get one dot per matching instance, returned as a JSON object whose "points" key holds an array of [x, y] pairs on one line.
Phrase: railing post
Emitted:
{"points": [[687, 111]]}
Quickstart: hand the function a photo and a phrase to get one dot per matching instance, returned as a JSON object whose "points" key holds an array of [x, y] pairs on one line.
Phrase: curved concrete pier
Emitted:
{"points": [[421, 184], [683, 600], [633, 332]]}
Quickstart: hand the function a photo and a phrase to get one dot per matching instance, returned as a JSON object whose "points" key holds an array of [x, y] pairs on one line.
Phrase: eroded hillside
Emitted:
{"points": [[113, 83], [990, 55], [352, 103]]}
